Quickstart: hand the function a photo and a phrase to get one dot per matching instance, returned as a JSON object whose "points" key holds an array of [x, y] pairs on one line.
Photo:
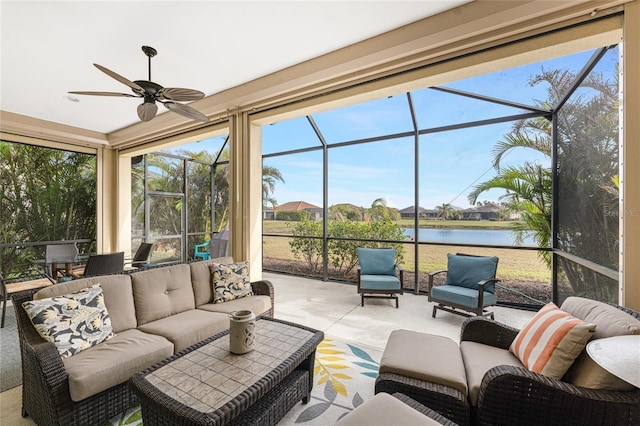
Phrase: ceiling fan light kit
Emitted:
{"points": [[152, 92]]}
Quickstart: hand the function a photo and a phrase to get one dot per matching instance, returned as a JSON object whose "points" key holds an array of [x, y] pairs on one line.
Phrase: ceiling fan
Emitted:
{"points": [[152, 92]]}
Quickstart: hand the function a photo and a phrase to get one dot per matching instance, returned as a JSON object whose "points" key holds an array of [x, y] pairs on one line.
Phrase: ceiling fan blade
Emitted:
{"points": [[106, 94], [120, 78], [187, 111], [180, 94], [147, 110]]}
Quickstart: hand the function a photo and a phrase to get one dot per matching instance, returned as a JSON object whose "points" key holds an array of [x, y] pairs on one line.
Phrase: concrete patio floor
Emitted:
{"points": [[335, 309]]}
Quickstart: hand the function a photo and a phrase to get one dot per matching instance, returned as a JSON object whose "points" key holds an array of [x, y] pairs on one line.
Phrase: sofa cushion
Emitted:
{"points": [[230, 281], [412, 354], [610, 322], [72, 322], [468, 271], [201, 279], [379, 282], [188, 328], [478, 359], [551, 341], [462, 295], [118, 297], [159, 293], [257, 304], [113, 362]]}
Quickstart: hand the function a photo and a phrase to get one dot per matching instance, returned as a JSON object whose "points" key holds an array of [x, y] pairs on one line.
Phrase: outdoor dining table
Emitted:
{"points": [[68, 261]]}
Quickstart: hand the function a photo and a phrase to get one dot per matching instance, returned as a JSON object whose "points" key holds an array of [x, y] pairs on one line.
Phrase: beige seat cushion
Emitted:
{"points": [[188, 328], [201, 279], [113, 362], [256, 304], [478, 359], [426, 357], [385, 410], [610, 321], [162, 292], [118, 297]]}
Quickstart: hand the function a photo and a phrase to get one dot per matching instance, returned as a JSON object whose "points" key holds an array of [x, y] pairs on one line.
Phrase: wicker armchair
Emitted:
{"points": [[514, 395]]}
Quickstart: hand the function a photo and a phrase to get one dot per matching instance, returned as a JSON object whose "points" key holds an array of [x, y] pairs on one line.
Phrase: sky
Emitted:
{"points": [[450, 162]]}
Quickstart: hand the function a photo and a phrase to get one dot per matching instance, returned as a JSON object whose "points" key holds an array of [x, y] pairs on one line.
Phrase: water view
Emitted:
{"points": [[475, 236]]}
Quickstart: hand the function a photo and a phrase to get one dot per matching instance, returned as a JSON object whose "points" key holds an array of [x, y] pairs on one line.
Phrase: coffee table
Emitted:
{"points": [[207, 385]]}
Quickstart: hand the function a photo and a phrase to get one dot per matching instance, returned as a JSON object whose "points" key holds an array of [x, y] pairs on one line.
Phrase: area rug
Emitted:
{"points": [[344, 377], [10, 361]]}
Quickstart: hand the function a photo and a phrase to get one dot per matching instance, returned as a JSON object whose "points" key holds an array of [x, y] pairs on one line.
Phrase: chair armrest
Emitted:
{"points": [[515, 395], [488, 332], [265, 288], [197, 246], [431, 275]]}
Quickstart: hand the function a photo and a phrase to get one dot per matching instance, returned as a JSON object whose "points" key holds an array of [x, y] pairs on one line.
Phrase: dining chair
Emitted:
{"points": [[141, 257], [59, 251], [102, 264]]}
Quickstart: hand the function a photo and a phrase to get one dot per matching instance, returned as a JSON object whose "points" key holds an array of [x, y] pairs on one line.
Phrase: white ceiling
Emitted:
{"points": [[48, 47]]}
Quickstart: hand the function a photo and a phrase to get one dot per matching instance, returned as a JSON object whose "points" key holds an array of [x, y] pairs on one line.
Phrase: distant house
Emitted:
{"points": [[486, 212], [409, 213], [315, 212]]}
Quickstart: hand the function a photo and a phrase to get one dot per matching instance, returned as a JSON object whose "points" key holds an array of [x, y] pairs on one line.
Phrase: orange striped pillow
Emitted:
{"points": [[551, 341]]}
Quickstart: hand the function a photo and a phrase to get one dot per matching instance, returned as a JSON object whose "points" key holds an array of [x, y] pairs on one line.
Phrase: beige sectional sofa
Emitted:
{"points": [[154, 314]]}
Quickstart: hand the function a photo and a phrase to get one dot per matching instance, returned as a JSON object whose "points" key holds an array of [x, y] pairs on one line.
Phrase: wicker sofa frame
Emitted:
{"points": [[45, 391], [514, 395]]}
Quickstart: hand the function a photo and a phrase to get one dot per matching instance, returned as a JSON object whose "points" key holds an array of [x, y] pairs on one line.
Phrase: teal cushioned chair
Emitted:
{"points": [[469, 286], [378, 274]]}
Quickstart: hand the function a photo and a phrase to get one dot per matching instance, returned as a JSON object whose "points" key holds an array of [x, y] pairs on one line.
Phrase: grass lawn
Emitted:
{"points": [[521, 265]]}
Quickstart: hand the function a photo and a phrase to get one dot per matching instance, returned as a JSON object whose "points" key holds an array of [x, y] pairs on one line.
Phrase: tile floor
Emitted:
{"points": [[335, 309]]}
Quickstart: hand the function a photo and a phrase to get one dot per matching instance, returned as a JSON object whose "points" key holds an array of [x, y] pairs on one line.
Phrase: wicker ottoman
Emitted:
{"points": [[384, 410], [428, 369]]}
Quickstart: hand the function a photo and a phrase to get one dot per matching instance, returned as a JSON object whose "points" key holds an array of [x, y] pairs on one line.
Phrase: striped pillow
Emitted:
{"points": [[551, 341]]}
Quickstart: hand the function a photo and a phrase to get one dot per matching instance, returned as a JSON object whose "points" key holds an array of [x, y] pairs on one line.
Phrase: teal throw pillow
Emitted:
{"points": [[468, 271]]}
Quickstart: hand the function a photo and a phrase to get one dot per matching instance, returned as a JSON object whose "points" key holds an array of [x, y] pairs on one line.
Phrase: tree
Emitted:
{"points": [[270, 175], [46, 195], [445, 211], [379, 211], [587, 134]]}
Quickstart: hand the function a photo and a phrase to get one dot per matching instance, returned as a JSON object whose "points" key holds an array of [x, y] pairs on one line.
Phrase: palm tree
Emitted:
{"points": [[379, 211], [587, 132], [445, 211], [270, 175]]}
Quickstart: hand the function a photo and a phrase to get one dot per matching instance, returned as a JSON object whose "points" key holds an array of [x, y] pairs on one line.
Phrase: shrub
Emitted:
{"points": [[344, 239]]}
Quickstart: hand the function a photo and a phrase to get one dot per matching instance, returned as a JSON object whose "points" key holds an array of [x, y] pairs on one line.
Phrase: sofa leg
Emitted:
{"points": [[397, 301], [362, 300], [433, 314]]}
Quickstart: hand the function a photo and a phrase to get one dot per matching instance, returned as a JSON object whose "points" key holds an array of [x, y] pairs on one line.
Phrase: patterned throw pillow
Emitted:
{"points": [[230, 281], [551, 341], [73, 322]]}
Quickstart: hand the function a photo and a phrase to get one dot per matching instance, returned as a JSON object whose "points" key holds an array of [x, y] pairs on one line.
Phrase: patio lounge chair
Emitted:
{"points": [[470, 285], [378, 274]]}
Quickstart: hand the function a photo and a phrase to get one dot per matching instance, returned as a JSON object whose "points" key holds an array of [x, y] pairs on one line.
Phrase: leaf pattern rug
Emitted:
{"points": [[344, 377]]}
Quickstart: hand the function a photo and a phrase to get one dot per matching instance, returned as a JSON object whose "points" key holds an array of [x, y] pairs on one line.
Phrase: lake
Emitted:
{"points": [[470, 236]]}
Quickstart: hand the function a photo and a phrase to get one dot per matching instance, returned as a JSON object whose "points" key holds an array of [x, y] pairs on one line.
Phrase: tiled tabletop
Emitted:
{"points": [[210, 376]]}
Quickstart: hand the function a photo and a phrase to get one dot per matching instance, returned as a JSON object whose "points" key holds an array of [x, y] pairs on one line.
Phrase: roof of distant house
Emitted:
{"points": [[294, 206]]}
